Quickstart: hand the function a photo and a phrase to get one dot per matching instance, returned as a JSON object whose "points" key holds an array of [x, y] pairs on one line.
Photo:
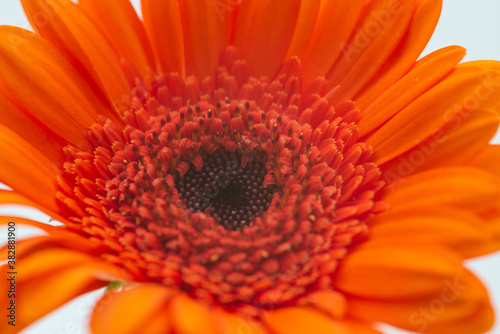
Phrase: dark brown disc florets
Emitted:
{"points": [[234, 195]]}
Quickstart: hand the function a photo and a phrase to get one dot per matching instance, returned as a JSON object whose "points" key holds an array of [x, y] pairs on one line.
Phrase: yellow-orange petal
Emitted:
{"points": [[456, 143], [460, 230], [335, 23], [162, 20], [182, 310], [71, 31], [467, 89], [140, 309], [27, 171], [17, 119], [387, 272], [204, 43], [63, 101], [426, 73], [419, 32], [119, 22], [263, 51], [45, 282], [298, 320], [465, 187], [460, 306], [382, 26]]}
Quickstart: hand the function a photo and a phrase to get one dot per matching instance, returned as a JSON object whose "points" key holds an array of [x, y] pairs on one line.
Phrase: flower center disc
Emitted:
{"points": [[230, 193], [238, 191]]}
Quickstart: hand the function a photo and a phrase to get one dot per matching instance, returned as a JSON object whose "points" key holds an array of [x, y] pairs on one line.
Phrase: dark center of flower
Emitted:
{"points": [[230, 193]]}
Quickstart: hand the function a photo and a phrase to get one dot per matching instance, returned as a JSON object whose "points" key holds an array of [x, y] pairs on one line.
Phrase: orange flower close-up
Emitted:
{"points": [[247, 167]]}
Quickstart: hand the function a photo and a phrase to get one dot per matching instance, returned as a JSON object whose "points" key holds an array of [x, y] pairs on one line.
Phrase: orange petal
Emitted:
{"points": [[230, 323], [457, 143], [419, 32], [334, 26], [141, 309], [488, 159], [17, 119], [49, 279], [27, 171], [265, 52], [468, 89], [71, 31], [163, 24], [183, 310], [329, 301], [124, 30], [358, 327], [382, 26], [22, 221], [386, 272], [308, 18], [12, 197], [465, 187], [460, 306], [56, 238], [298, 320], [204, 43], [427, 72], [462, 231], [63, 101]]}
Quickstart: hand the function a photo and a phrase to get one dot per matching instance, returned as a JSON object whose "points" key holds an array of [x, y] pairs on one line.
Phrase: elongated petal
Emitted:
{"points": [[295, 320], [464, 232], [427, 72], [488, 159], [230, 323], [465, 187], [204, 43], [27, 171], [133, 311], [122, 27], [333, 28], [461, 306], [373, 271], [329, 301], [45, 282], [458, 142], [14, 117], [419, 32], [382, 26], [162, 20], [308, 19], [68, 28], [183, 310], [468, 89], [265, 52], [63, 101]]}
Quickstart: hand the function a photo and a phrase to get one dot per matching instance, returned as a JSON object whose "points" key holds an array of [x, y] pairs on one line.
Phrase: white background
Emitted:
{"points": [[473, 24]]}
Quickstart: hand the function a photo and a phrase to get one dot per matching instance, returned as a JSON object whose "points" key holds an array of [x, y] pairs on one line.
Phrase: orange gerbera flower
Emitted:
{"points": [[210, 166]]}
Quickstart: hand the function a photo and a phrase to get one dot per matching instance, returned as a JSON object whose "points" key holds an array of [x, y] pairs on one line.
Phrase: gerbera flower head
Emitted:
{"points": [[266, 167]]}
